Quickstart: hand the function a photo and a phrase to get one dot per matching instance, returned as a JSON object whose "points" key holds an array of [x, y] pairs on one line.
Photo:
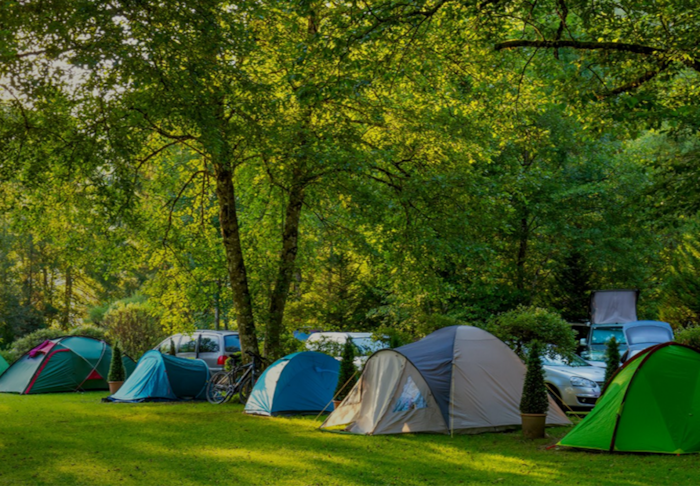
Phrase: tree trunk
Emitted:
{"points": [[522, 253], [68, 299], [290, 245], [230, 233]]}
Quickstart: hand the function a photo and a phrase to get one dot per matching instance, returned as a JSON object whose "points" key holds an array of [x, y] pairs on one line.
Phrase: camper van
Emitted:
{"points": [[610, 310]]}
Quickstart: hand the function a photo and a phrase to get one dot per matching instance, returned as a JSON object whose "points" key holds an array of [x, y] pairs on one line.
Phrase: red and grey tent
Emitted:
{"points": [[73, 363]]}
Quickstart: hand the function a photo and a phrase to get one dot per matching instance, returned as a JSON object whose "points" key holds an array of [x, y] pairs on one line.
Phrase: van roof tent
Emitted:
{"points": [[614, 306]]}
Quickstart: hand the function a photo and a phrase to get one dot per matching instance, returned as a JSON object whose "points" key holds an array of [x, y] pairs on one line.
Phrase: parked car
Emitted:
{"points": [[597, 343], [332, 343], [641, 335], [574, 383], [213, 347]]}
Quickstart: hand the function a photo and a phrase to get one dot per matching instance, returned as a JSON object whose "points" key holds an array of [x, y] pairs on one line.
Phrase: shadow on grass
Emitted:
{"points": [[74, 439]]}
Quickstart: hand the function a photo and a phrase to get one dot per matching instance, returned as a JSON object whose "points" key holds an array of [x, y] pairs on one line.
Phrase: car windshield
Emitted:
{"points": [[604, 334], [367, 345], [574, 362]]}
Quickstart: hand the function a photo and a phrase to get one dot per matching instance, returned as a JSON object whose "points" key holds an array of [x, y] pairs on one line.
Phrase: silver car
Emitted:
{"points": [[574, 384], [213, 347]]}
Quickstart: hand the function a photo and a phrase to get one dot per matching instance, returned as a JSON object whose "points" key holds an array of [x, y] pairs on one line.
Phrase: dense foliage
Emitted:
{"points": [[345, 166], [521, 327], [135, 327]]}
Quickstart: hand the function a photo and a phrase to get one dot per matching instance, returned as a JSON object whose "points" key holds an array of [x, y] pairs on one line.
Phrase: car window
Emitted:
{"points": [[165, 347], [574, 362], [649, 334], [602, 336], [209, 344], [232, 343], [187, 344]]}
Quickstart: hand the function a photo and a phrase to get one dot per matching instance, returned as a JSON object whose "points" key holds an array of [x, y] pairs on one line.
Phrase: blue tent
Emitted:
{"points": [[164, 378], [296, 384]]}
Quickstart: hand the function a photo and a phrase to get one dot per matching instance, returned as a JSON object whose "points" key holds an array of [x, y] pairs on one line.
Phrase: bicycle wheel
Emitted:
{"points": [[219, 388], [244, 390]]}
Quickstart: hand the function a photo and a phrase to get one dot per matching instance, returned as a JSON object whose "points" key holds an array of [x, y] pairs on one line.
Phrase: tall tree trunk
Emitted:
{"points": [[290, 245], [522, 253], [230, 232], [68, 299]]}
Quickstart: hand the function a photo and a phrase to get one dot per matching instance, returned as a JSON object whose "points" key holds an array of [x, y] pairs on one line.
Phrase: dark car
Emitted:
{"points": [[213, 347]]}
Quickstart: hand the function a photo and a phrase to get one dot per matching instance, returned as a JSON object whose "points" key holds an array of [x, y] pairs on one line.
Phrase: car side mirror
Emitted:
{"points": [[583, 341]]}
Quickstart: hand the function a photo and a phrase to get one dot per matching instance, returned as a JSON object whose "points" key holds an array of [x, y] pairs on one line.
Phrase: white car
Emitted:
{"points": [[574, 384], [332, 343]]}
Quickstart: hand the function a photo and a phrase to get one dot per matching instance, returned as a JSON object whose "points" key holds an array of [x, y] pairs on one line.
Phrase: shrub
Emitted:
{"points": [[690, 336], [612, 358], [534, 399], [116, 366], [31, 341], [346, 377], [524, 325], [134, 326], [172, 348]]}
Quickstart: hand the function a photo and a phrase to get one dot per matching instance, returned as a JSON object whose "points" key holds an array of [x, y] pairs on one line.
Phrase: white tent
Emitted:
{"points": [[459, 379]]}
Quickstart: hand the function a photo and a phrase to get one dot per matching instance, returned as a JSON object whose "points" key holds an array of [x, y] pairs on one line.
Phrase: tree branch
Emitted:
{"points": [[609, 46]]}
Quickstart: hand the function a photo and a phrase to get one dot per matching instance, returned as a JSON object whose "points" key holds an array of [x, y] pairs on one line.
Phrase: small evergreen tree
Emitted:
{"points": [[346, 378], [172, 351], [116, 366], [612, 358], [534, 399]]}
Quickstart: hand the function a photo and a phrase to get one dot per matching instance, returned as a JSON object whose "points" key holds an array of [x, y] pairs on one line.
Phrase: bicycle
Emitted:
{"points": [[223, 385]]}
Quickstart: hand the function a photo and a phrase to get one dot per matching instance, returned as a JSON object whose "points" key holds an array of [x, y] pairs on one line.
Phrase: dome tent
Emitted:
{"points": [[458, 379], [73, 363], [3, 365], [299, 383], [650, 405], [164, 378]]}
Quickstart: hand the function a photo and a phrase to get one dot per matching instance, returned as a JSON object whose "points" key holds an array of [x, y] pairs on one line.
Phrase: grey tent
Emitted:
{"points": [[458, 379]]}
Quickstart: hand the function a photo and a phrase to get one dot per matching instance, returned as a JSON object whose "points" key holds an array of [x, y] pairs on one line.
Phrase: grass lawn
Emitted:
{"points": [[74, 439]]}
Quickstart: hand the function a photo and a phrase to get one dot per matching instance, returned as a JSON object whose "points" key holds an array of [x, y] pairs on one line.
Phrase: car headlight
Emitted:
{"points": [[582, 382]]}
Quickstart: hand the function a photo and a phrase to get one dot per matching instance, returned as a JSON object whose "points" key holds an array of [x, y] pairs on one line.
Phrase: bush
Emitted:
{"points": [[524, 325], [346, 378], [134, 326], [116, 366], [690, 336], [534, 399], [31, 341], [612, 358]]}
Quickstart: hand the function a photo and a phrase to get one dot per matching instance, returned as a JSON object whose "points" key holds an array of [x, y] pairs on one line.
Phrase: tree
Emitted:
{"points": [[535, 398], [612, 359], [522, 327], [116, 366], [346, 376]]}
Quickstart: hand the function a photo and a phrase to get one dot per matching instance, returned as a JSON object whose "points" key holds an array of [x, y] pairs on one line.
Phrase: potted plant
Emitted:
{"points": [[346, 376], [612, 359], [115, 378], [534, 402]]}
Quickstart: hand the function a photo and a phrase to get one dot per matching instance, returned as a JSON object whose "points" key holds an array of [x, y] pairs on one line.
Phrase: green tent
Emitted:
{"points": [[73, 363], [3, 365], [652, 404]]}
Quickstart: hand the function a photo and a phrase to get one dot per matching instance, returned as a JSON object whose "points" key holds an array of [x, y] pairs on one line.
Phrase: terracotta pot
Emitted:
{"points": [[533, 425], [336, 403], [114, 386]]}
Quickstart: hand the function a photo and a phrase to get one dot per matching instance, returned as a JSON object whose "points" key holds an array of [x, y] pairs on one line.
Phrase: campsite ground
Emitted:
{"points": [[74, 439]]}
